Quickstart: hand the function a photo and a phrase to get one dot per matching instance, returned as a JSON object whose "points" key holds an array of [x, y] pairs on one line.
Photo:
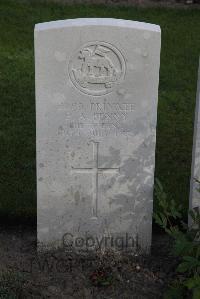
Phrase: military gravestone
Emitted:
{"points": [[96, 105], [195, 176]]}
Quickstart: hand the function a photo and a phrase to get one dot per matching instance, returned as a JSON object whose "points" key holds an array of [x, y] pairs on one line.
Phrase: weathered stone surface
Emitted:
{"points": [[96, 105], [195, 175]]}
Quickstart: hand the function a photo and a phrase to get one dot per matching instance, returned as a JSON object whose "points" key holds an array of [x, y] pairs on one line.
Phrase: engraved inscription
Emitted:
{"points": [[97, 68], [96, 170], [98, 118]]}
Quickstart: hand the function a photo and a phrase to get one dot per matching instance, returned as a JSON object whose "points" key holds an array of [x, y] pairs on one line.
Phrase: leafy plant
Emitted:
{"points": [[186, 243], [101, 277]]}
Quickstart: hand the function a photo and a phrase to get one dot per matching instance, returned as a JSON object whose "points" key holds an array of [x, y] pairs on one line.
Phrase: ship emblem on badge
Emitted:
{"points": [[97, 68]]}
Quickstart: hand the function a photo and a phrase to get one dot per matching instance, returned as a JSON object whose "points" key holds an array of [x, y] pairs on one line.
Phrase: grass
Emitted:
{"points": [[11, 284], [178, 76]]}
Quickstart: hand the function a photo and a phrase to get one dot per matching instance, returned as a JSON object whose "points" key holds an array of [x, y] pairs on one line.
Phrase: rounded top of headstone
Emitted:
{"points": [[97, 22]]}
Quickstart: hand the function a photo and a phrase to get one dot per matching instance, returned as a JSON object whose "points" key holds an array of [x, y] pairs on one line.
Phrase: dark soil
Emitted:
{"points": [[62, 274]]}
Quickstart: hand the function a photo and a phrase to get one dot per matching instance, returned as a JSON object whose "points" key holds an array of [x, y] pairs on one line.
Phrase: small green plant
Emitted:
{"points": [[101, 277], [186, 244]]}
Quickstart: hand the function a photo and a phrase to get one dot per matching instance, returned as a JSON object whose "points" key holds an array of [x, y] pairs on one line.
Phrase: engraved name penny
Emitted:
{"points": [[96, 68]]}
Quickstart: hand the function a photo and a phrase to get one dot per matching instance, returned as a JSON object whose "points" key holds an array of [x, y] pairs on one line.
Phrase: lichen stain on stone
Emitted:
{"points": [[111, 160], [72, 191], [77, 197]]}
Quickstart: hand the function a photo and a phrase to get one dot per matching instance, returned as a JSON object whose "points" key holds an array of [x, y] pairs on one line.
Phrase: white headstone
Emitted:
{"points": [[195, 175], [96, 105]]}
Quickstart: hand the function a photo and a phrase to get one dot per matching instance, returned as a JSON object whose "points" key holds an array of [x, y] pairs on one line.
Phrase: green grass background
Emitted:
{"points": [[177, 91]]}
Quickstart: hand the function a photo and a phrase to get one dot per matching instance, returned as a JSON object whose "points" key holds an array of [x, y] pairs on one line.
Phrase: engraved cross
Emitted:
{"points": [[96, 170]]}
